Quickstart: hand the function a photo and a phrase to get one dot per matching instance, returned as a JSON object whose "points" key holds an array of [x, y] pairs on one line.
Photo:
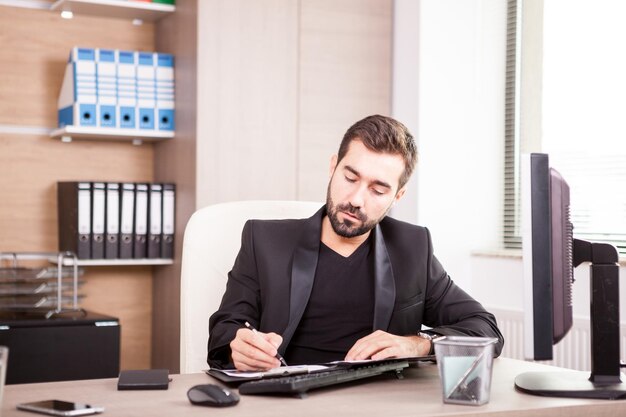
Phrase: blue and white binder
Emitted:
{"points": [[146, 90], [126, 89], [78, 97], [118, 89], [164, 91], [106, 76]]}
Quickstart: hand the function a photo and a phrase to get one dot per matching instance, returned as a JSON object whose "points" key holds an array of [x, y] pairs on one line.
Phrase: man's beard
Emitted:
{"points": [[347, 228]]}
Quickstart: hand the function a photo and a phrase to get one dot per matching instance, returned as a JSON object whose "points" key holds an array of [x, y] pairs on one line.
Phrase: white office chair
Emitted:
{"points": [[211, 243]]}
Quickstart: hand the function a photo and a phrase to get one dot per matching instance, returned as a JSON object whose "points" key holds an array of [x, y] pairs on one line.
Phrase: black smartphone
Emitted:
{"points": [[60, 408]]}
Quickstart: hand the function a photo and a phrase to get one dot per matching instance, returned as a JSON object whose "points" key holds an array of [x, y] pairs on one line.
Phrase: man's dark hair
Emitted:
{"points": [[384, 135]]}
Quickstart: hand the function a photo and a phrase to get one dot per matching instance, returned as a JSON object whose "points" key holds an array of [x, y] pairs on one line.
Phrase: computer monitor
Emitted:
{"points": [[550, 254], [547, 240]]}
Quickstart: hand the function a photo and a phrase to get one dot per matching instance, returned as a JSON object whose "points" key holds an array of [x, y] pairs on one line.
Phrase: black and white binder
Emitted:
{"points": [[154, 221], [74, 217], [111, 239], [168, 215], [127, 211], [141, 221], [98, 217]]}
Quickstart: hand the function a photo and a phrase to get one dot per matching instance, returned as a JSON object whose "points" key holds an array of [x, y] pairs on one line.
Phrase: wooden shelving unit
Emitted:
{"points": [[28, 213], [146, 12], [136, 136], [113, 262]]}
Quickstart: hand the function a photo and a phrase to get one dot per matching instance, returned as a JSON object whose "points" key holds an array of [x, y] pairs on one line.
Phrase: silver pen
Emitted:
{"points": [[255, 331]]}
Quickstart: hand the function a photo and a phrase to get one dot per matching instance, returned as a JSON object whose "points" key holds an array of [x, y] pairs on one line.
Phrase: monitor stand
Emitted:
{"points": [[571, 384], [605, 380]]}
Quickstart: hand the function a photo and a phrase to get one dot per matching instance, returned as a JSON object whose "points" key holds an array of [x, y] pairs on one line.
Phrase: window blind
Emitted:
{"points": [[511, 220]]}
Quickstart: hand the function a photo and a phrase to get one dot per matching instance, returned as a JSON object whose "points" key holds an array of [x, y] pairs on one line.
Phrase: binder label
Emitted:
{"points": [[98, 210], [155, 212], [168, 212], [141, 221], [84, 211], [113, 201], [127, 211]]}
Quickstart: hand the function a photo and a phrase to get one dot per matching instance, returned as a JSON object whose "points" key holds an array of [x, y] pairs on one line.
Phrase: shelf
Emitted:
{"points": [[114, 262], [146, 12], [137, 136]]}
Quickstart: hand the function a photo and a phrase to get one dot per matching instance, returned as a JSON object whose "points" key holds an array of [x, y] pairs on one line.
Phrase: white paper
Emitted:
{"points": [[281, 371]]}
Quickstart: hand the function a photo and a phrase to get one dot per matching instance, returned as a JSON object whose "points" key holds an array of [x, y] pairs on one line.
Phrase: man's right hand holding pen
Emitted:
{"points": [[253, 350]]}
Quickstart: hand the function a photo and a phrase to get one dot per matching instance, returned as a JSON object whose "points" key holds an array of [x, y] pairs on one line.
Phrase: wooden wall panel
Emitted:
{"points": [[128, 293], [247, 100], [345, 75], [35, 46]]}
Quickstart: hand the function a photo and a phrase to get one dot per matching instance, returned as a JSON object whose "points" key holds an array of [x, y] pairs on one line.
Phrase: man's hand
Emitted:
{"points": [[383, 345], [255, 351]]}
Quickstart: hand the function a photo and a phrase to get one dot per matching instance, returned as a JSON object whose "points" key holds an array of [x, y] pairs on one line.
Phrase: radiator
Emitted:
{"points": [[573, 352]]}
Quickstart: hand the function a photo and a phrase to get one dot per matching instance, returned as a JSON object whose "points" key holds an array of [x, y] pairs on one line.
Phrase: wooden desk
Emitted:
{"points": [[418, 394]]}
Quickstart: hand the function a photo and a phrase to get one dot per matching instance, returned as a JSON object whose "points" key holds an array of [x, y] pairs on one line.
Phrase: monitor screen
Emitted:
{"points": [[548, 251], [550, 254]]}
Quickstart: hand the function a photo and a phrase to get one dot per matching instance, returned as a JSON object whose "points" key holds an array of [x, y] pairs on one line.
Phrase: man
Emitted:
{"points": [[349, 282]]}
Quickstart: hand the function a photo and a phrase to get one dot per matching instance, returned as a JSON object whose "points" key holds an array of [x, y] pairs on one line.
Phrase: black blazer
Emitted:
{"points": [[271, 281]]}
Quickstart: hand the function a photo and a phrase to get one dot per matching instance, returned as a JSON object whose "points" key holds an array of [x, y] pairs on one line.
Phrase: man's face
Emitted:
{"points": [[362, 188]]}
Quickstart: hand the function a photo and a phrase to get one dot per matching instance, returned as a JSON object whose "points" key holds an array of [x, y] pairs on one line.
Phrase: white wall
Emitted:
{"points": [[449, 79], [405, 89]]}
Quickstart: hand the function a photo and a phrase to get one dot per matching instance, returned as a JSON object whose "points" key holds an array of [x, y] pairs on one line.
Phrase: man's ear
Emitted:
{"points": [[333, 165], [399, 194]]}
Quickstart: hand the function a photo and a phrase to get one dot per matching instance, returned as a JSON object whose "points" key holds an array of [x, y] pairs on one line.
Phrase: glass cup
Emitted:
{"points": [[4, 360], [465, 365]]}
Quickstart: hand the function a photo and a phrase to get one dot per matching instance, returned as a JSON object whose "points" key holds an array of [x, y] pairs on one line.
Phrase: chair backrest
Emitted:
{"points": [[211, 242]]}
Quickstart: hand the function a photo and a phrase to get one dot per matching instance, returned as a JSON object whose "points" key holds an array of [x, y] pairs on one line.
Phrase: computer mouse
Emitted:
{"points": [[212, 396]]}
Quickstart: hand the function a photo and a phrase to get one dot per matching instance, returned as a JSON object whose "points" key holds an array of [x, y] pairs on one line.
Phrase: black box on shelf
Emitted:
{"points": [[65, 347]]}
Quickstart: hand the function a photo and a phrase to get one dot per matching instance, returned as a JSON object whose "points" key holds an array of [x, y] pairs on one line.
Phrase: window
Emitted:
{"points": [[582, 117]]}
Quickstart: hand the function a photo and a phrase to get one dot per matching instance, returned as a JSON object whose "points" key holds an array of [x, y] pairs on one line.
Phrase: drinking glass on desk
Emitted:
{"points": [[4, 361], [465, 365]]}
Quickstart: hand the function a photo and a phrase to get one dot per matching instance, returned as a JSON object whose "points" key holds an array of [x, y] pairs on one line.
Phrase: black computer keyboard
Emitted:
{"points": [[300, 384]]}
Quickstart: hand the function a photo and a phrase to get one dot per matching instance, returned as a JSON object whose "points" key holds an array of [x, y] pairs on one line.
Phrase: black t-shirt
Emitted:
{"points": [[340, 310]]}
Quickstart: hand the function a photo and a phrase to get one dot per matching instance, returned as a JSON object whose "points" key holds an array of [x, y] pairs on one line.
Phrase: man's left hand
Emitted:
{"points": [[383, 345]]}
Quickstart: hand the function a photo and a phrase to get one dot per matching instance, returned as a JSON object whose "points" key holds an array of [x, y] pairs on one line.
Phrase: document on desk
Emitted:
{"points": [[281, 371], [233, 375]]}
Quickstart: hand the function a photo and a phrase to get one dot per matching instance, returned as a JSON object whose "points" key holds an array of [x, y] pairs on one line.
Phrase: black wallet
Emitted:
{"points": [[143, 379]]}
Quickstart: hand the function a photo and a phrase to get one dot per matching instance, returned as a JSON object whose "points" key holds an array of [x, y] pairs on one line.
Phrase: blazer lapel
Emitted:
{"points": [[385, 287], [303, 273]]}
